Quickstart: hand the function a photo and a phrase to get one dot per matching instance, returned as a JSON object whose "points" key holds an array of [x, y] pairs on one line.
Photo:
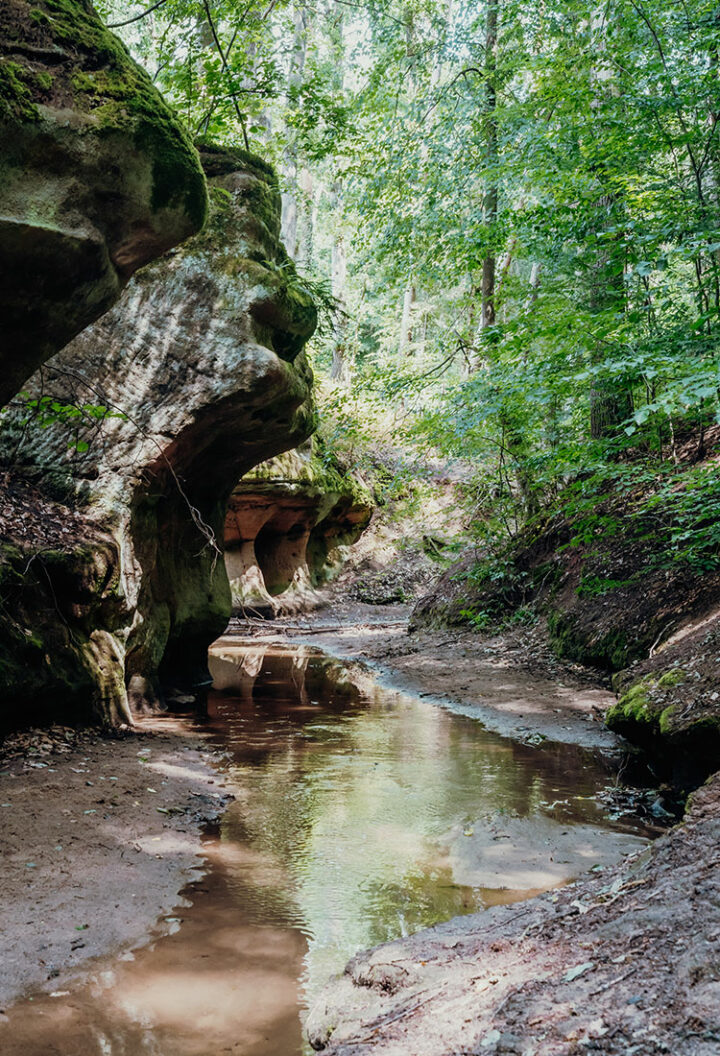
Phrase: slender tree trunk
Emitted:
{"points": [[307, 211], [342, 361], [487, 286], [610, 402], [341, 366], [289, 221], [406, 319]]}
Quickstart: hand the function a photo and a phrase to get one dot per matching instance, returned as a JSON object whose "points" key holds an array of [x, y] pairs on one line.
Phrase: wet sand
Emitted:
{"points": [[183, 992], [96, 843]]}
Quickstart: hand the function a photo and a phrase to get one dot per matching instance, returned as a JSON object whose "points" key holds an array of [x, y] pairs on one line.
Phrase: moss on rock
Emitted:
{"points": [[105, 83], [97, 177], [59, 651], [633, 708], [17, 98], [681, 736]]}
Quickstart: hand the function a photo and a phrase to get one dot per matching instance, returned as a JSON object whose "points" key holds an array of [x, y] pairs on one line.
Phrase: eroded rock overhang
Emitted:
{"points": [[202, 367], [287, 526], [97, 177]]}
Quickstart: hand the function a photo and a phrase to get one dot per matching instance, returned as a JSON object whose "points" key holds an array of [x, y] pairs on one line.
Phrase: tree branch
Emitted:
{"points": [[226, 68], [136, 18]]}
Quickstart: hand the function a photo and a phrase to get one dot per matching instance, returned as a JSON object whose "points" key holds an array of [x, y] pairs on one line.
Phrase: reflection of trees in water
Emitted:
{"points": [[355, 788], [421, 897]]}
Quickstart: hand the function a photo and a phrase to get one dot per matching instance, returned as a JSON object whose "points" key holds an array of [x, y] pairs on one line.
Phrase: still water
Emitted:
{"points": [[361, 814]]}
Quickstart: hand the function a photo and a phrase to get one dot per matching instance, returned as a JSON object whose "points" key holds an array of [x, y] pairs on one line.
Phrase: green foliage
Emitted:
{"points": [[580, 155], [479, 620], [82, 421], [486, 619], [597, 585]]}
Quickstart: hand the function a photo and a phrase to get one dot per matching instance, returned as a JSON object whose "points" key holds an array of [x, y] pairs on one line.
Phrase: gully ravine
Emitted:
{"points": [[361, 814]]}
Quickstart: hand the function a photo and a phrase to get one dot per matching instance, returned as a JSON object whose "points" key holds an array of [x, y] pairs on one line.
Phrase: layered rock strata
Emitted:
{"points": [[97, 177], [61, 609], [197, 375], [287, 525]]}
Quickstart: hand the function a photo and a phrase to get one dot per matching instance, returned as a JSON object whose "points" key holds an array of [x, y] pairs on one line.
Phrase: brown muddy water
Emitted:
{"points": [[361, 814]]}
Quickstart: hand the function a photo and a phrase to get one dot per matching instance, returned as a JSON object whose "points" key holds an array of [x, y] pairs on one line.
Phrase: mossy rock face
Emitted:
{"points": [[634, 708], [610, 650], [679, 728], [60, 654], [205, 354], [97, 177]]}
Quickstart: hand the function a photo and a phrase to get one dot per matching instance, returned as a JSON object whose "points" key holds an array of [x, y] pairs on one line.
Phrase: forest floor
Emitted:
{"points": [[97, 836]]}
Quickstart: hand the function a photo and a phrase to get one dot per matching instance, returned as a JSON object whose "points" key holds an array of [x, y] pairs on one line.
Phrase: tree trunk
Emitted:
{"points": [[289, 221], [306, 218], [341, 366], [610, 403], [342, 361], [406, 319], [487, 285]]}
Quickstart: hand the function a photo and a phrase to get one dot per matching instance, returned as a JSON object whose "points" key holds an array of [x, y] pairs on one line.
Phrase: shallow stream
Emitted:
{"points": [[361, 814]]}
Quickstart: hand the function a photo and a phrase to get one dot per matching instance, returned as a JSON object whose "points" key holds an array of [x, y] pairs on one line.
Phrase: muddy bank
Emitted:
{"points": [[97, 836], [623, 963], [512, 683]]}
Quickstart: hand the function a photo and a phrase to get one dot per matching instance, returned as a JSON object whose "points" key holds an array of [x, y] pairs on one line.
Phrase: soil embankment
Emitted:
{"points": [[98, 835], [628, 583]]}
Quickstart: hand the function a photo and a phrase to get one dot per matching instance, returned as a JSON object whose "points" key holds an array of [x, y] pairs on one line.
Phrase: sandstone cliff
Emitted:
{"points": [[97, 177], [201, 367], [287, 526]]}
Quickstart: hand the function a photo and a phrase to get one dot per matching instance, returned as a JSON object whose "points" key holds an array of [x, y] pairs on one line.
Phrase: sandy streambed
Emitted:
{"points": [[361, 813], [97, 838]]}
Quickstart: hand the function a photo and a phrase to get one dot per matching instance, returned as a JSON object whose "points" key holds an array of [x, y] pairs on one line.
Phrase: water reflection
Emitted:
{"points": [[389, 812], [220, 983], [361, 814]]}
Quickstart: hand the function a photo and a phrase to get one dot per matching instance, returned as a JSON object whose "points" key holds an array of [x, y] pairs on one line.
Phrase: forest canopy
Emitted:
{"points": [[511, 212]]}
